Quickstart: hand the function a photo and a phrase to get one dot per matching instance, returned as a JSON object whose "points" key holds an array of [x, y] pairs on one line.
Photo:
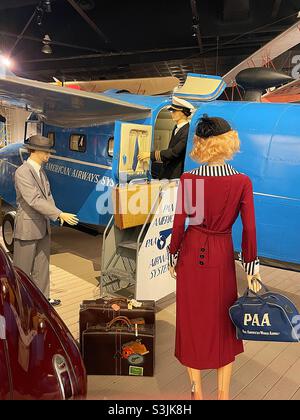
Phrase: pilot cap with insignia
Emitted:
{"points": [[179, 104], [43, 144]]}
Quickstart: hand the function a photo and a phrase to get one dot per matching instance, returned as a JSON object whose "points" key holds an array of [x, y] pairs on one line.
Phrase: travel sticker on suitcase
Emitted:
{"points": [[134, 352]]}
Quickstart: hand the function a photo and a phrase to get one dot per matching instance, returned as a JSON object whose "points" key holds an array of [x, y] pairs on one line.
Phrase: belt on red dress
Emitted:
{"points": [[203, 245], [209, 231]]}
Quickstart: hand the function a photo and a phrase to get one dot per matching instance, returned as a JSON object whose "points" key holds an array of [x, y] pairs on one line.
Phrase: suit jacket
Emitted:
{"points": [[35, 204], [173, 157]]}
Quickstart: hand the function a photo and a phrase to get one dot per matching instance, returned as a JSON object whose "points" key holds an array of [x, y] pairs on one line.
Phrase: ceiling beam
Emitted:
{"points": [[276, 7], [20, 36], [13, 4], [210, 50], [39, 40], [110, 55], [89, 21], [236, 11], [78, 66]]}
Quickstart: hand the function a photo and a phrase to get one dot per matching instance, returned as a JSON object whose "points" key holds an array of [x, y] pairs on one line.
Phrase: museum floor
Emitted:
{"points": [[264, 371]]}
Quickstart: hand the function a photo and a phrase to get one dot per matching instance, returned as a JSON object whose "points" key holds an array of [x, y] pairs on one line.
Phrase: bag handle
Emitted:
{"points": [[119, 319], [263, 286], [248, 291]]}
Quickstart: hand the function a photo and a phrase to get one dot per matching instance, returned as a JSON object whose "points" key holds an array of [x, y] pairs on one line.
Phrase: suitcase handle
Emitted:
{"points": [[113, 300], [117, 319]]}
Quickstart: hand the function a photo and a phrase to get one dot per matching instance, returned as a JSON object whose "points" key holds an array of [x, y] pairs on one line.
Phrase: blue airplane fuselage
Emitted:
{"points": [[270, 155]]}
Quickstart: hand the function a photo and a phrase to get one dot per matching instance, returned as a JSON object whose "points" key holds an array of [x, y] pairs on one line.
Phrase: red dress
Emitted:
{"points": [[206, 278]]}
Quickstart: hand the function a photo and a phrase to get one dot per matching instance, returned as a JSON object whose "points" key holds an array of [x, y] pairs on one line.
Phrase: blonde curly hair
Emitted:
{"points": [[215, 148]]}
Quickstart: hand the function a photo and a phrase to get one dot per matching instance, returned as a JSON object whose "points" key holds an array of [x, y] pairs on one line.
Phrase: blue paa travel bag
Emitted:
{"points": [[265, 317]]}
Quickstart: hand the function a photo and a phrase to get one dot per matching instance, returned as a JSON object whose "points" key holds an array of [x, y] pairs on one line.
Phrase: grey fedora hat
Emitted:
{"points": [[41, 143]]}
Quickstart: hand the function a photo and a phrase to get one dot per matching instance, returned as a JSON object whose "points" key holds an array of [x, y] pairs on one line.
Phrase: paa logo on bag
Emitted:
{"points": [[266, 317], [255, 321]]}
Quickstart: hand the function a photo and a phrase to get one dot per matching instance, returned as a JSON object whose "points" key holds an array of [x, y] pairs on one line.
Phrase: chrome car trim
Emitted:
{"points": [[2, 328]]}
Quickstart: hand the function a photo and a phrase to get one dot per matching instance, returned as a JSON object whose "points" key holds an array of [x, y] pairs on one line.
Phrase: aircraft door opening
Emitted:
{"points": [[163, 128], [130, 140]]}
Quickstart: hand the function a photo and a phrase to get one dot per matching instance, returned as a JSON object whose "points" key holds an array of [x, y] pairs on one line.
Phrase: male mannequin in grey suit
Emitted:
{"points": [[35, 209]]}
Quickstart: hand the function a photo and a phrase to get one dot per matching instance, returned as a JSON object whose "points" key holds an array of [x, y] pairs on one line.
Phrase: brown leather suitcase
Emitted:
{"points": [[100, 311], [119, 348]]}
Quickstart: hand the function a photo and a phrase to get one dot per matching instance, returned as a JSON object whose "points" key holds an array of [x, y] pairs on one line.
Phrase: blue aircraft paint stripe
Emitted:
{"points": [[81, 162], [277, 196]]}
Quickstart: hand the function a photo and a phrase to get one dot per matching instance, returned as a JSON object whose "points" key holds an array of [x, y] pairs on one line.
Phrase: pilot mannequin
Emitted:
{"points": [[173, 157]]}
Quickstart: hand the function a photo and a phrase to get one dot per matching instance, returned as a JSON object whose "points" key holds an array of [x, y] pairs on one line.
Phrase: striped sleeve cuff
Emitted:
{"points": [[172, 258], [251, 267]]}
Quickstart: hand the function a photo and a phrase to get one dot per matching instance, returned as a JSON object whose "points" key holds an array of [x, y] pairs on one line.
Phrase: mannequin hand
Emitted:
{"points": [[253, 284], [173, 272], [143, 155], [69, 218]]}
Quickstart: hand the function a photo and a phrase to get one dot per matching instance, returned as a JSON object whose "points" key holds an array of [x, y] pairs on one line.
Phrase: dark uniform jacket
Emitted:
{"points": [[173, 157]]}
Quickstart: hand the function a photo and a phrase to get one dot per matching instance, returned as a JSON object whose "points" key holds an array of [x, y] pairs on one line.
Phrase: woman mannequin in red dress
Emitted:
{"points": [[201, 257]]}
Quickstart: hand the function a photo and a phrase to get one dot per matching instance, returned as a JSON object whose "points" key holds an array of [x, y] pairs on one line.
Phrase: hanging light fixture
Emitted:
{"points": [[44, 6], [47, 6], [47, 47]]}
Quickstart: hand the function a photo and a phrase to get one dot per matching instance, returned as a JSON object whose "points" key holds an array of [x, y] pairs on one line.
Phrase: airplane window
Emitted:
{"points": [[78, 143], [110, 146], [51, 136]]}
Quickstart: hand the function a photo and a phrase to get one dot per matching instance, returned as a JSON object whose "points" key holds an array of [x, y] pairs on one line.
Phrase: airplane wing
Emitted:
{"points": [[65, 107], [144, 86], [287, 93], [201, 87], [282, 43]]}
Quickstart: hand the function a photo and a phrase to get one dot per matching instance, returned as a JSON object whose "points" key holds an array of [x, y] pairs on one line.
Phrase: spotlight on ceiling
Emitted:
{"points": [[5, 61], [47, 47]]}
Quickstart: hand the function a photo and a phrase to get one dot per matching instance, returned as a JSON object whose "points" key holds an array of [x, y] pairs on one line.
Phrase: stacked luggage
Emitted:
{"points": [[117, 336]]}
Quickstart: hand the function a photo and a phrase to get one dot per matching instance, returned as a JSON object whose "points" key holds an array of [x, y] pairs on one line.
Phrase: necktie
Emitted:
{"points": [[42, 181]]}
